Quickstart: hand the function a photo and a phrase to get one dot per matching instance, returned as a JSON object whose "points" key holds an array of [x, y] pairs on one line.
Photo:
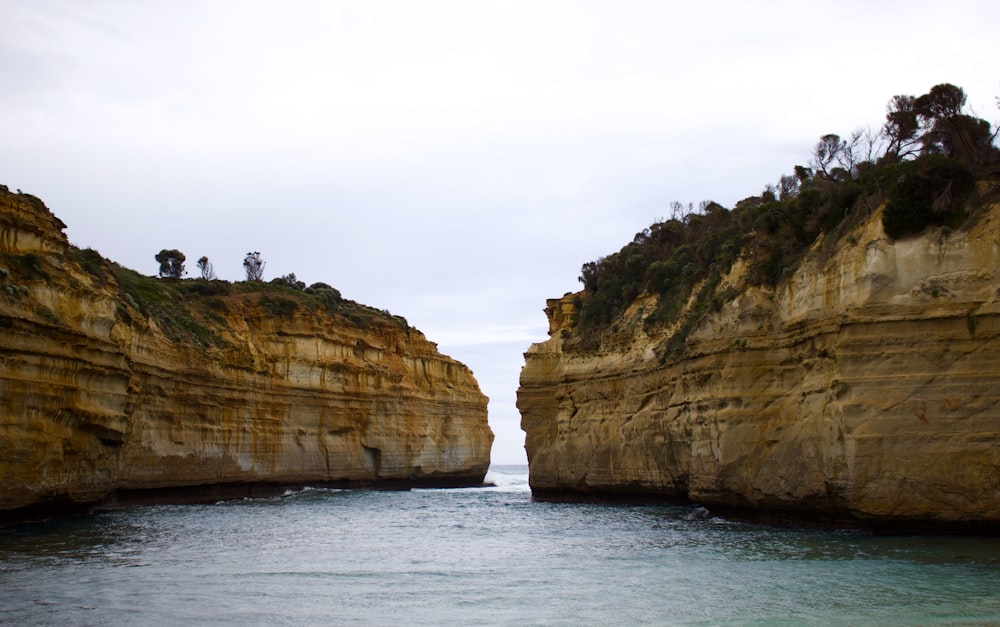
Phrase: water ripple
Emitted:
{"points": [[479, 556]]}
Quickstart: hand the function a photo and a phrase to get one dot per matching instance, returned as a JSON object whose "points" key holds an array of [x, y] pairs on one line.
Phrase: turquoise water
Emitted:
{"points": [[479, 556]]}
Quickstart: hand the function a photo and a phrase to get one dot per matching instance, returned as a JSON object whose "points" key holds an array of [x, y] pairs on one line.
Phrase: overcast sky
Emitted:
{"points": [[455, 162]]}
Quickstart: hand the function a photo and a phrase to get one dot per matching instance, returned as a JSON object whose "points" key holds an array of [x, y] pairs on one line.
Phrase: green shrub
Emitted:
{"points": [[29, 267], [278, 306], [289, 280], [92, 262], [930, 191], [327, 297], [208, 287], [216, 304]]}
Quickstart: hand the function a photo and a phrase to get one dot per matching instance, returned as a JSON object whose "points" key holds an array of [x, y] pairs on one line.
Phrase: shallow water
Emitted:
{"points": [[479, 556]]}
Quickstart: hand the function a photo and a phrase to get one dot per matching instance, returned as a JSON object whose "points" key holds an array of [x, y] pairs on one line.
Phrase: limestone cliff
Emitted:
{"points": [[864, 387], [115, 386]]}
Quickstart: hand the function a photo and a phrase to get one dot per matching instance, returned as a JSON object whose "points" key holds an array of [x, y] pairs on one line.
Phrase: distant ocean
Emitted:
{"points": [[479, 556]]}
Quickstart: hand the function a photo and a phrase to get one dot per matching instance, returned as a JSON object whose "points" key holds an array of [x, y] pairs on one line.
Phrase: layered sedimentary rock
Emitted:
{"points": [[99, 399], [866, 387]]}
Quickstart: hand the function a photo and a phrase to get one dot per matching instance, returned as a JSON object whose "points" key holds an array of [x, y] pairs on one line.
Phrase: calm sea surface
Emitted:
{"points": [[479, 556]]}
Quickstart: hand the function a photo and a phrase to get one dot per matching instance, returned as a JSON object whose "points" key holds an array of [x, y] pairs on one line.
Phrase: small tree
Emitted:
{"points": [[254, 266], [171, 263], [864, 147], [942, 101], [828, 150], [788, 187], [901, 128], [207, 270], [950, 131]]}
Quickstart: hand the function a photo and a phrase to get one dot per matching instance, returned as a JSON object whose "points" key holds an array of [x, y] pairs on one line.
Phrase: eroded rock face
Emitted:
{"points": [[96, 400], [867, 387]]}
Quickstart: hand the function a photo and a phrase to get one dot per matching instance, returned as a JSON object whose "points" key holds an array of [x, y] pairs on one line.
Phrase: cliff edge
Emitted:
{"points": [[863, 387], [117, 388]]}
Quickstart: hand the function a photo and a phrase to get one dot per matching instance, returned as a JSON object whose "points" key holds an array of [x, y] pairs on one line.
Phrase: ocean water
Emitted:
{"points": [[479, 556]]}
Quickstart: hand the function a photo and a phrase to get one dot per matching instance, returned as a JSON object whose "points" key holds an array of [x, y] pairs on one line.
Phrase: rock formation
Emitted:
{"points": [[864, 388], [111, 396]]}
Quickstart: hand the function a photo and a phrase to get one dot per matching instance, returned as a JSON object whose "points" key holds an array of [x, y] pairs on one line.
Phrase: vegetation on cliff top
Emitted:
{"points": [[186, 310], [196, 309], [922, 166]]}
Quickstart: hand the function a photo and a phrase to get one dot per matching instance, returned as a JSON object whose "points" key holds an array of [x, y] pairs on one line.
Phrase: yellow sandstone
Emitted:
{"points": [[98, 404], [866, 387]]}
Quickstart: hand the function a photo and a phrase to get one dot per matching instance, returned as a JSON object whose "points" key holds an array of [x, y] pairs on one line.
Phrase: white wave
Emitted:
{"points": [[508, 478]]}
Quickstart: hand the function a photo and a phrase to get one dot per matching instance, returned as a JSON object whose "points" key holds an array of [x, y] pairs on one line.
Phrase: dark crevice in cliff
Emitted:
{"points": [[374, 458]]}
